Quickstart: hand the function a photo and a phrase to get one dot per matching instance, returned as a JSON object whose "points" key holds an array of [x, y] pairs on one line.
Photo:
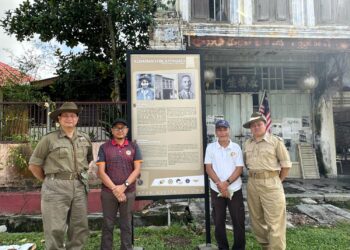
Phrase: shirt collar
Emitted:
{"points": [[63, 134], [126, 143], [228, 147], [266, 137]]}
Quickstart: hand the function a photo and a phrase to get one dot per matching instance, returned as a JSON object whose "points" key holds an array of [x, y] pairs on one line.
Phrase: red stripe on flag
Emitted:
{"points": [[265, 110]]}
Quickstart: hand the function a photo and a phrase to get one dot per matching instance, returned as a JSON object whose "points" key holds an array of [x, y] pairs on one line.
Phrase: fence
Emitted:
{"points": [[23, 121]]}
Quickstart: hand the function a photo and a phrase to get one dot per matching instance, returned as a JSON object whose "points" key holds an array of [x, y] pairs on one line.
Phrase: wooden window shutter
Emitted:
{"points": [[342, 12], [262, 10], [200, 9], [325, 11], [282, 10]]}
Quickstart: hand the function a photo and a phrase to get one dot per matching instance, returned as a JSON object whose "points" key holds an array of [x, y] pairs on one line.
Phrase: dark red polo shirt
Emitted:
{"points": [[119, 160]]}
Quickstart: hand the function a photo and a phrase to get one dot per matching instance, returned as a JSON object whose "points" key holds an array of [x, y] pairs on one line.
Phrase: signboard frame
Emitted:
{"points": [[164, 56]]}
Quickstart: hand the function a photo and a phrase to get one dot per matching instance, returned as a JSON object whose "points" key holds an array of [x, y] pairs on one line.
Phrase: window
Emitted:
{"points": [[332, 12], [210, 10], [255, 79], [271, 10]]}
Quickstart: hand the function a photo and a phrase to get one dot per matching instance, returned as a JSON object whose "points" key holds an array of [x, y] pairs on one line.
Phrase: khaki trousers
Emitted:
{"points": [[267, 211], [64, 209]]}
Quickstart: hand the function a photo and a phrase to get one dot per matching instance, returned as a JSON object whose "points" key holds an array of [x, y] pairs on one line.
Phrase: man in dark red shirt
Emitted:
{"points": [[119, 164]]}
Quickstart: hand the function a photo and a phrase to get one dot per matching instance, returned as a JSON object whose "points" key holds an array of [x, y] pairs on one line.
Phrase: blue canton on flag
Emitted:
{"points": [[265, 110]]}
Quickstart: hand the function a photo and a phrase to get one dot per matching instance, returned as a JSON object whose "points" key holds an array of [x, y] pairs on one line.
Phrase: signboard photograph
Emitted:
{"points": [[166, 116]]}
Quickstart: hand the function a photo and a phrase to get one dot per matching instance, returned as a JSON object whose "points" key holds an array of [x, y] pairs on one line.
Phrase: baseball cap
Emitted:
{"points": [[119, 120], [222, 123]]}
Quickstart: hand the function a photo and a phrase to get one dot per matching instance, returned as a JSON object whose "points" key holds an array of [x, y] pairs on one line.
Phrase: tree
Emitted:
{"points": [[105, 28]]}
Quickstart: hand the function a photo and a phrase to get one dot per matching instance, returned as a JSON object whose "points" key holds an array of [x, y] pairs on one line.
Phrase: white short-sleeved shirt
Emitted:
{"points": [[224, 162]]}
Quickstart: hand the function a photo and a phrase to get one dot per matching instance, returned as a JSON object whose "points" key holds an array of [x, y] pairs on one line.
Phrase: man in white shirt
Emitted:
{"points": [[224, 166]]}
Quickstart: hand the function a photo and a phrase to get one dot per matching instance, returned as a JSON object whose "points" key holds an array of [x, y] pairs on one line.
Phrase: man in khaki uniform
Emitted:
{"points": [[268, 162], [61, 160]]}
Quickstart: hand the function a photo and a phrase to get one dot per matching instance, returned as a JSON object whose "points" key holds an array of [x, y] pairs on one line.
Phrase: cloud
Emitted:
{"points": [[10, 48]]}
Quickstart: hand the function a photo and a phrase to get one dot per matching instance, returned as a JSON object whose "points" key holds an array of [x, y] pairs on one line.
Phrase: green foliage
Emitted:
{"points": [[109, 114], [84, 77], [180, 237], [14, 92], [19, 156], [106, 29]]}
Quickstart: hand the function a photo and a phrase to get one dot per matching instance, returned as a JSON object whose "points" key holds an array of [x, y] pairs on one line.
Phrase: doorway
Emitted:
{"points": [[342, 139]]}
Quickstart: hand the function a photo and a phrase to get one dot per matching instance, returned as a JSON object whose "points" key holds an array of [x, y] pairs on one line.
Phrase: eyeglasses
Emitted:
{"points": [[69, 116], [119, 129]]}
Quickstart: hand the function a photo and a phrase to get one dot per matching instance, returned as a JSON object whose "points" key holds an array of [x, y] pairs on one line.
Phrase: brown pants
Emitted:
{"points": [[236, 208], [110, 207], [267, 212]]}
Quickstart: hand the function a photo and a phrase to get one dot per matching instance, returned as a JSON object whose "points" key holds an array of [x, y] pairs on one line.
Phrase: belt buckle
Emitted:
{"points": [[71, 176]]}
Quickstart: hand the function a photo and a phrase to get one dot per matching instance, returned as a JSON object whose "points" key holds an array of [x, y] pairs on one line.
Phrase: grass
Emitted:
{"points": [[181, 237]]}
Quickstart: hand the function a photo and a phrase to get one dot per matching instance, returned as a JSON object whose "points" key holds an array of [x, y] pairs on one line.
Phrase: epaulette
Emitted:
{"points": [[279, 138], [86, 135], [50, 132]]}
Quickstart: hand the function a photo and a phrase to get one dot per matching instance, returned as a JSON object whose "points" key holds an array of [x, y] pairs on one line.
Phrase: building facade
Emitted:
{"points": [[295, 51]]}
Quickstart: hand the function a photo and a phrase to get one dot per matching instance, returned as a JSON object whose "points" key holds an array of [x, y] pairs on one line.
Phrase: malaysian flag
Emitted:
{"points": [[265, 110]]}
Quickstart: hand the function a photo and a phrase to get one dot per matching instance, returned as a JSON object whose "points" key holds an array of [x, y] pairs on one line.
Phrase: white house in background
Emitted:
{"points": [[281, 47]]}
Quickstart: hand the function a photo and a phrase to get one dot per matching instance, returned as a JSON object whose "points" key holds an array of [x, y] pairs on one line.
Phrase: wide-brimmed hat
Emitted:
{"points": [[66, 107], [146, 77], [256, 116]]}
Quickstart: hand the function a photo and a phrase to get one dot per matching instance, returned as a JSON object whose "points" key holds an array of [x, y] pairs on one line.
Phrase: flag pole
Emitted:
{"points": [[262, 98]]}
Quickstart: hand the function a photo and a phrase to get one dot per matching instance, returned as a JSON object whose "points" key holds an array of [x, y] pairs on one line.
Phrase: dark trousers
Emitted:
{"points": [[236, 209], [110, 207]]}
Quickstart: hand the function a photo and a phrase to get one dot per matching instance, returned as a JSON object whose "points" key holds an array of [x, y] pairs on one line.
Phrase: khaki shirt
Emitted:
{"points": [[56, 152], [268, 154]]}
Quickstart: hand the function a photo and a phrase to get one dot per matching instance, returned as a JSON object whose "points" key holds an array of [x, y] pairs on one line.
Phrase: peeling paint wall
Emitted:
{"points": [[327, 137]]}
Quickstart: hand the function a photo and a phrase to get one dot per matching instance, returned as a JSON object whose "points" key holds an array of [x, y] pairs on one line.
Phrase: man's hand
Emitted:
{"points": [[222, 186], [225, 194], [121, 197], [119, 189]]}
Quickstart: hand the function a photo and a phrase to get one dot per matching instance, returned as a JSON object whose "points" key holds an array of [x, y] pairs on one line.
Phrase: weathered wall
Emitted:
{"points": [[327, 137], [9, 177]]}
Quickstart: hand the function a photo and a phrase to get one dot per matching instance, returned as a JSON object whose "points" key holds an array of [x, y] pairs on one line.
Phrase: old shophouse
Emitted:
{"points": [[295, 51]]}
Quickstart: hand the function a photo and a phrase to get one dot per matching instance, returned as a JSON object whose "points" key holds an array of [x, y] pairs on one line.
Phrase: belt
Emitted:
{"points": [[263, 175], [64, 176]]}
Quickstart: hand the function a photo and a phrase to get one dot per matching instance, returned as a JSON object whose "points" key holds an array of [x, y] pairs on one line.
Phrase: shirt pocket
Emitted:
{"points": [[82, 148], [267, 151], [248, 155], [268, 154], [60, 151]]}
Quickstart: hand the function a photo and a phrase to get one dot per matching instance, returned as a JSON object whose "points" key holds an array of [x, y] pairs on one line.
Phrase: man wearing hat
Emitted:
{"points": [[144, 91], [119, 165], [268, 162], [61, 160], [224, 166]]}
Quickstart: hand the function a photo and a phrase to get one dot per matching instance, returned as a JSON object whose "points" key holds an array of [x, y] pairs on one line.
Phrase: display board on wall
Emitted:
{"points": [[166, 113]]}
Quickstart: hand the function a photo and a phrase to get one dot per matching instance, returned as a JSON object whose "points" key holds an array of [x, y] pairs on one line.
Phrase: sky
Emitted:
{"points": [[10, 48]]}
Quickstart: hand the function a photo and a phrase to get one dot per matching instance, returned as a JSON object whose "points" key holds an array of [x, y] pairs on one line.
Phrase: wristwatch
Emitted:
{"points": [[126, 183], [228, 181]]}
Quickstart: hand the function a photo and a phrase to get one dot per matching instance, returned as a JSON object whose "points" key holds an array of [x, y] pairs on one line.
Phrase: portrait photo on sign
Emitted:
{"points": [[185, 86], [145, 87], [165, 87]]}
